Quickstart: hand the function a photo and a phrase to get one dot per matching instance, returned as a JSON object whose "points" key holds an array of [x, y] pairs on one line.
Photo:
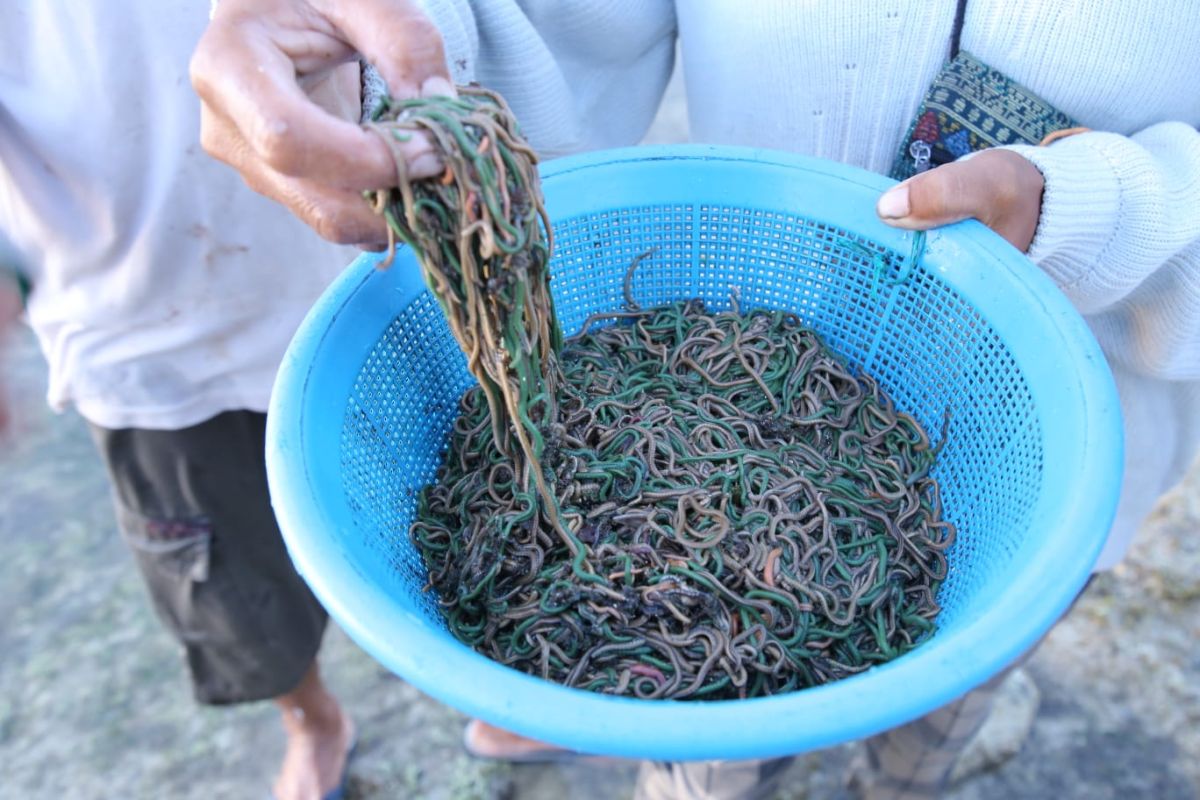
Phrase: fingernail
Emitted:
{"points": [[894, 203], [437, 85]]}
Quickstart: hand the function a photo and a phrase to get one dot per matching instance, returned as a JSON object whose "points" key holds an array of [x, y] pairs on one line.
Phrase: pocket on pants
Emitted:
{"points": [[174, 549]]}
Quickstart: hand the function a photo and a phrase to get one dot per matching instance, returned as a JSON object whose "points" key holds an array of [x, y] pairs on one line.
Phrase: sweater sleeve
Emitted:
{"points": [[1120, 235]]}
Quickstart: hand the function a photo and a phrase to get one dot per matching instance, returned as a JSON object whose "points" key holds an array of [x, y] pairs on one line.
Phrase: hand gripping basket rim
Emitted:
{"points": [[865, 704]]}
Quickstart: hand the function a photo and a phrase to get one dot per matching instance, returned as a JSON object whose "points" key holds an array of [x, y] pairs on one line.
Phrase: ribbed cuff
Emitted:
{"points": [[1081, 206]]}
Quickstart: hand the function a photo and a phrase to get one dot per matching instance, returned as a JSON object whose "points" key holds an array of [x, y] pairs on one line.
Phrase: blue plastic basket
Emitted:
{"points": [[1030, 473]]}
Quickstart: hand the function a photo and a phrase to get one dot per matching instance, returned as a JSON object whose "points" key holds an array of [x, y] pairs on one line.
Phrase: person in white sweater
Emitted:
{"points": [[1110, 213]]}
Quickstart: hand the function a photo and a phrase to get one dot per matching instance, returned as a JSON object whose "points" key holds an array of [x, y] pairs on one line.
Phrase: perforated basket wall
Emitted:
{"points": [[1028, 470]]}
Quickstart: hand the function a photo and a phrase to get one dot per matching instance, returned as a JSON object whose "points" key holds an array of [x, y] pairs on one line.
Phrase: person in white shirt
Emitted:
{"points": [[163, 295], [1111, 212]]}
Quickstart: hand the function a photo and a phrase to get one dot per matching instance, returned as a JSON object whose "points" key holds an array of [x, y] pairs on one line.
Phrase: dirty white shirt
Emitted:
{"points": [[165, 291], [842, 79]]}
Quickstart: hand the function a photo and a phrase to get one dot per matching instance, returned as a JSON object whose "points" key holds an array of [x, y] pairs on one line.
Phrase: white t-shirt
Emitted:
{"points": [[165, 290]]}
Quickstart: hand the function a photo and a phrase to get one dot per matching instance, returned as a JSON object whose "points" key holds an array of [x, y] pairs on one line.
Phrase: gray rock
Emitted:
{"points": [[1006, 730]]}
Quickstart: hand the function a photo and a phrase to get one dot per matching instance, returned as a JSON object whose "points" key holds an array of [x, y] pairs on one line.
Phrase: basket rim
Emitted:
{"points": [[669, 730]]}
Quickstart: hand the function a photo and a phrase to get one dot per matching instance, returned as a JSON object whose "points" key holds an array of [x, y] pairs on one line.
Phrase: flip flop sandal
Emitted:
{"points": [[338, 792]]}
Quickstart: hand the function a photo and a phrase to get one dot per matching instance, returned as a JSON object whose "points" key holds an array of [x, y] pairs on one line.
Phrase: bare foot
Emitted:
{"points": [[319, 735], [315, 759], [488, 741]]}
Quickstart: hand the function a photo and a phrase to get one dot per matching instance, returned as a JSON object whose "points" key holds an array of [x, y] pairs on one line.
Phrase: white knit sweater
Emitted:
{"points": [[842, 79]]}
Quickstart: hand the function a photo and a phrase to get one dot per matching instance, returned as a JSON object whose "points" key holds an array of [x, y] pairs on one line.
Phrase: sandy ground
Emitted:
{"points": [[94, 704]]}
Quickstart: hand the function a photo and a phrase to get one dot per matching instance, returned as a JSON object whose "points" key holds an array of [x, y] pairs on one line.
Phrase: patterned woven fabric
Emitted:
{"points": [[970, 107]]}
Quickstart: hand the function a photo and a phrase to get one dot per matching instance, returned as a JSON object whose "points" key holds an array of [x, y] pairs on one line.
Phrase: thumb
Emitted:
{"points": [[399, 40], [1000, 188], [947, 194]]}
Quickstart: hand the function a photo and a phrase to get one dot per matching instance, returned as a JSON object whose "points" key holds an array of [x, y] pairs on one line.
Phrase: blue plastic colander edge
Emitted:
{"points": [[763, 727]]}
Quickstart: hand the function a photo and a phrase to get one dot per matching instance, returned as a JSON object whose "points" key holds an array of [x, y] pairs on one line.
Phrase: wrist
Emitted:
{"points": [[1080, 206]]}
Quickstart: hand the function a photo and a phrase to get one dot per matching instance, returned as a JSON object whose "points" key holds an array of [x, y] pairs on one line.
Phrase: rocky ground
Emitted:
{"points": [[93, 702]]}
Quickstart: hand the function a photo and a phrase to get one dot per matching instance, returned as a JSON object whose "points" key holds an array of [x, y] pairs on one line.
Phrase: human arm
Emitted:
{"points": [[1117, 228], [999, 188], [578, 77]]}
